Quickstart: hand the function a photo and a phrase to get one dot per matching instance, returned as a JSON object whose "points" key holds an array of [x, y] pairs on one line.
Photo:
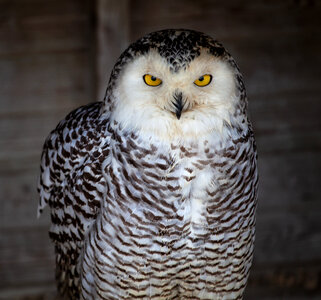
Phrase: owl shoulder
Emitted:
{"points": [[80, 137]]}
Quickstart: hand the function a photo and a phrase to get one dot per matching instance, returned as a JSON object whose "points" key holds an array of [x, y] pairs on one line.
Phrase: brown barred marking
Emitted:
{"points": [[158, 211], [138, 218]]}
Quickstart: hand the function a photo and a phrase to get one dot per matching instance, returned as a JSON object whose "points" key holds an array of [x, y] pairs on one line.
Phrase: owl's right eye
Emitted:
{"points": [[151, 80], [204, 80]]}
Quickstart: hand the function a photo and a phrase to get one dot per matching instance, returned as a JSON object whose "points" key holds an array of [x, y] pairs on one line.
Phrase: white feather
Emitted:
{"points": [[149, 109]]}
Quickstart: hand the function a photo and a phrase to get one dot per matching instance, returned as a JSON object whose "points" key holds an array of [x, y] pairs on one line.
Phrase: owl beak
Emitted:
{"points": [[178, 104]]}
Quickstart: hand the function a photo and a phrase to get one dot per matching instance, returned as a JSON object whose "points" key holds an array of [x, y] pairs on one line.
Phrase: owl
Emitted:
{"points": [[153, 191]]}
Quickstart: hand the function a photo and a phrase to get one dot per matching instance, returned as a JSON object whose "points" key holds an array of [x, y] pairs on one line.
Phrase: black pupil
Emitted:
{"points": [[153, 78], [201, 78]]}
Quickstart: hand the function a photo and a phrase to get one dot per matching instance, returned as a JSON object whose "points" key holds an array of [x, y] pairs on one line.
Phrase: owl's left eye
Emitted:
{"points": [[203, 80], [152, 80]]}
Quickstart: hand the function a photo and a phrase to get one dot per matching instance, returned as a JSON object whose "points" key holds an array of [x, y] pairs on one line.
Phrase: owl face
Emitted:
{"points": [[196, 96]]}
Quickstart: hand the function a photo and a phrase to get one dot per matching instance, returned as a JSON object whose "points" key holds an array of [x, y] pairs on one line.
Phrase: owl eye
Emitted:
{"points": [[152, 80], [204, 80]]}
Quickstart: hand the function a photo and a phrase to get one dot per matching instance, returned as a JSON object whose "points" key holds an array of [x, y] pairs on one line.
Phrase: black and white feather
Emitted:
{"points": [[153, 192]]}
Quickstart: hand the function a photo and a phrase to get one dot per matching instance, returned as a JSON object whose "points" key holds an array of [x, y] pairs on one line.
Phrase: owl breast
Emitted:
{"points": [[177, 222]]}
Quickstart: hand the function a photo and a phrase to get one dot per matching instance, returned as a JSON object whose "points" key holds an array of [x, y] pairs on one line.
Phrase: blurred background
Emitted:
{"points": [[56, 55]]}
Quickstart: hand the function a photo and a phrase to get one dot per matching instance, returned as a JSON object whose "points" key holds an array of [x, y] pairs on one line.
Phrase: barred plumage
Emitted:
{"points": [[159, 206]]}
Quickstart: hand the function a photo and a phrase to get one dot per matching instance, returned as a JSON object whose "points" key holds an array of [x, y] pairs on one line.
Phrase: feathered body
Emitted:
{"points": [[146, 204]]}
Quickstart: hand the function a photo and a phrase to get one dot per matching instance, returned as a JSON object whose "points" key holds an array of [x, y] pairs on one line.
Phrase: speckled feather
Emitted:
{"points": [[137, 217]]}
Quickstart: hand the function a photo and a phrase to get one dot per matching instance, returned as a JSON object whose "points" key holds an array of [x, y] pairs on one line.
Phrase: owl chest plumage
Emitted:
{"points": [[177, 221], [152, 192]]}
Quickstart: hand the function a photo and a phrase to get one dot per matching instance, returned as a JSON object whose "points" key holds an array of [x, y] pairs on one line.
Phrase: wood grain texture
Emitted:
{"points": [[46, 70], [47, 67], [43, 81], [27, 249], [32, 27], [112, 38]]}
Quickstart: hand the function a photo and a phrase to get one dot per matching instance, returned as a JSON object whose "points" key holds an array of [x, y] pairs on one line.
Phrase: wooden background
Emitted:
{"points": [[56, 55]]}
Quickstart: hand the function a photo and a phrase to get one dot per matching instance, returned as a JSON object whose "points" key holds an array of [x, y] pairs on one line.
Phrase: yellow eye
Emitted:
{"points": [[151, 80], [203, 80]]}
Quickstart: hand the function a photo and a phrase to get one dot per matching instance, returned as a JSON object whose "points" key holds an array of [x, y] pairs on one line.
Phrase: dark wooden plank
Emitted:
{"points": [[112, 38], [51, 8], [284, 281], [276, 64], [36, 26], [19, 198], [39, 292], [288, 236], [42, 78], [22, 138], [226, 19], [287, 122], [44, 82], [45, 72], [26, 257], [292, 141], [290, 180], [34, 125]]}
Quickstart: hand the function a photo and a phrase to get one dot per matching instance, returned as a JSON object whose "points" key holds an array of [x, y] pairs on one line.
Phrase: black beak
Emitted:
{"points": [[178, 103]]}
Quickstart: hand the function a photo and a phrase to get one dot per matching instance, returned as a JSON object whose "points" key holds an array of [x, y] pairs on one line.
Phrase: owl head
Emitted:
{"points": [[176, 84]]}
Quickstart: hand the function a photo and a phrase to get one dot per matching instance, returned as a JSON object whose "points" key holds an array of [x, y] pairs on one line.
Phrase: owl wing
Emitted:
{"points": [[72, 184]]}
